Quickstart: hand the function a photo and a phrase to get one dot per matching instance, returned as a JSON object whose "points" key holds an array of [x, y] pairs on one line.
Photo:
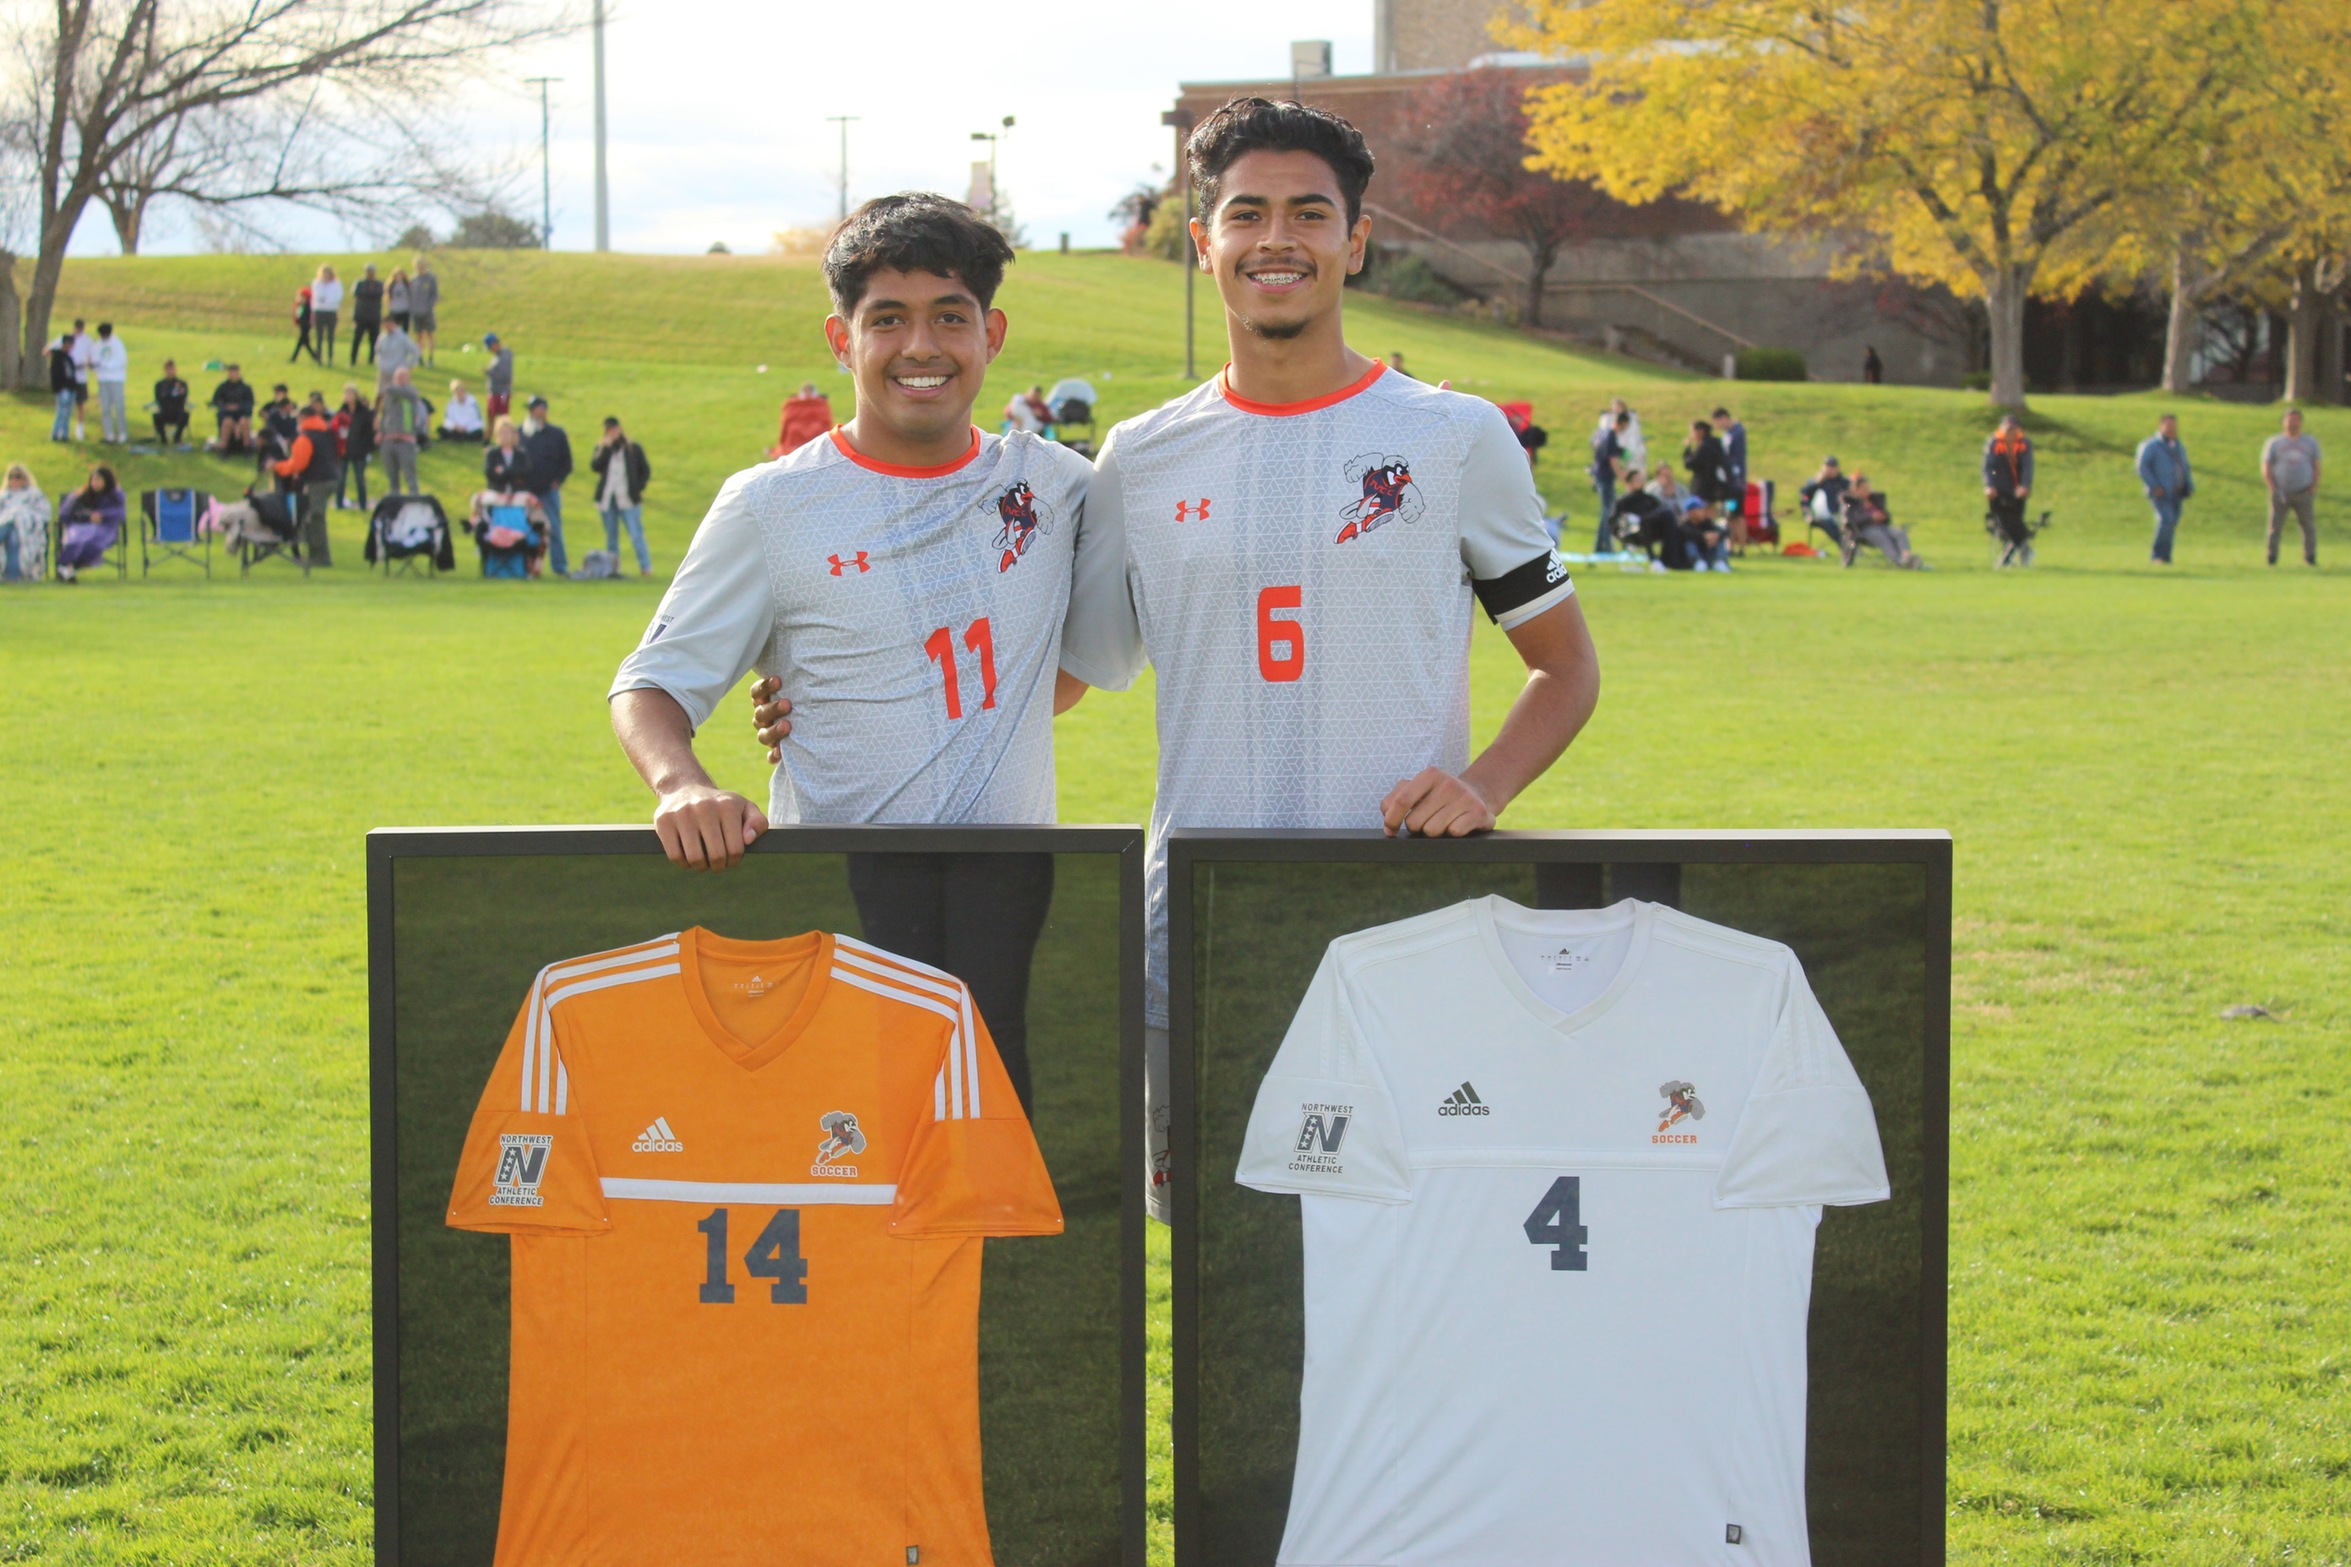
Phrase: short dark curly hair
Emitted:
{"points": [[1247, 125], [914, 231]]}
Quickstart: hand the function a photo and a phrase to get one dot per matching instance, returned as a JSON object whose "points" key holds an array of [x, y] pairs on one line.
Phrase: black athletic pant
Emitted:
{"points": [[322, 326], [170, 428], [363, 330], [302, 345], [978, 916]]}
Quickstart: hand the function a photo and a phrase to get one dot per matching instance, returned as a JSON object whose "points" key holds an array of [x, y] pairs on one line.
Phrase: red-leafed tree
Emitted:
{"points": [[1462, 144]]}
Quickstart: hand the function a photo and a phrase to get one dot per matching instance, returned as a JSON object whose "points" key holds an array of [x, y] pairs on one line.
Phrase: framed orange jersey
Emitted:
{"points": [[746, 1190]]}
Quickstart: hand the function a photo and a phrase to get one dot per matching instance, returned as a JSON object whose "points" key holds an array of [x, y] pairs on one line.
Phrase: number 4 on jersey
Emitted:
{"points": [[1557, 1222]]}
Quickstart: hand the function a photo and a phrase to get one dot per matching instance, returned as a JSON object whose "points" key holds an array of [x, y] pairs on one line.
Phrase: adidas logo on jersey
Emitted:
{"points": [[1464, 1101], [657, 1138]]}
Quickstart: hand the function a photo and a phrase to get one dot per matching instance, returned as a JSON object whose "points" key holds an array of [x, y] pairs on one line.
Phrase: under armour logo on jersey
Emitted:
{"points": [[858, 562], [1464, 1101], [657, 1138], [1187, 511]]}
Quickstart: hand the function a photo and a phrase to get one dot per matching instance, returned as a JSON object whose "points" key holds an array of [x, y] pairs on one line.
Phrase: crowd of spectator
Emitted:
{"points": [[312, 457]]}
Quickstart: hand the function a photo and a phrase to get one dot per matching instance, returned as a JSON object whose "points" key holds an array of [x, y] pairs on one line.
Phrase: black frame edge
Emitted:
{"points": [[383, 1197]]}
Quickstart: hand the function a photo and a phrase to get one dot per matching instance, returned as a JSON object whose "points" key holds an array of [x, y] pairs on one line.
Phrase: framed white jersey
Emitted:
{"points": [[914, 615], [1559, 1175]]}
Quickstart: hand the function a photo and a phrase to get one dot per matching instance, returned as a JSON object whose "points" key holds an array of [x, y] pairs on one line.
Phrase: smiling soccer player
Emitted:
{"points": [[1296, 545], [909, 578]]}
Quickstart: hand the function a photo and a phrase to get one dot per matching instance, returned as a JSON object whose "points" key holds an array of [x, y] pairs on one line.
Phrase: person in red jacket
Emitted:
{"points": [[315, 467], [808, 414]]}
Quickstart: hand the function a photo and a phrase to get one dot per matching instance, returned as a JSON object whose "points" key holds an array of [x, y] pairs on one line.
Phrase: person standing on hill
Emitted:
{"points": [[506, 467], [65, 380], [550, 453], [367, 313], [497, 379], [1873, 369], [400, 422], [311, 468], [395, 351], [171, 407], [326, 309], [85, 370], [2163, 470], [2008, 483], [1611, 461], [114, 386], [424, 306], [1733, 435], [303, 315], [396, 299], [621, 476], [355, 434], [2290, 471]]}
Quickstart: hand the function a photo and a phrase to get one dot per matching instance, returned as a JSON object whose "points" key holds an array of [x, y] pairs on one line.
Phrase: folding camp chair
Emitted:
{"points": [[406, 529], [171, 531], [282, 533]]}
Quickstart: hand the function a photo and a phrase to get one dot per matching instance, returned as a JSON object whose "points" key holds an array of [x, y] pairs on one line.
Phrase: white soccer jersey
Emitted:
{"points": [[1559, 1177], [1300, 577], [914, 614]]}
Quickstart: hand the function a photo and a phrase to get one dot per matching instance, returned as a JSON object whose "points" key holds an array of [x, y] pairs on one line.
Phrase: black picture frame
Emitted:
{"points": [[388, 847], [1572, 869]]}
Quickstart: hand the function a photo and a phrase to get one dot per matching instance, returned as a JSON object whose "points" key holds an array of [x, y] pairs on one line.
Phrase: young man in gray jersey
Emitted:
{"points": [[1296, 547], [910, 576]]}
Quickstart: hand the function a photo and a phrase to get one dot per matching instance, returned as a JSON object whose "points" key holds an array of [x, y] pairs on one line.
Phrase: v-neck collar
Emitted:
{"points": [[1495, 911], [815, 949]]}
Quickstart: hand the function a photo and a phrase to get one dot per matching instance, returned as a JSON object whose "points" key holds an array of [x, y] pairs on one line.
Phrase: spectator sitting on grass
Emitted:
{"points": [[170, 407], [24, 527], [1868, 520], [462, 419], [232, 405], [1027, 411], [1643, 522], [93, 519], [506, 467], [1700, 523]]}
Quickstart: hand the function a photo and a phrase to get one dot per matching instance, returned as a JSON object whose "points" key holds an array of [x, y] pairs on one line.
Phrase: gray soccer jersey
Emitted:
{"points": [[914, 615], [1300, 577]]}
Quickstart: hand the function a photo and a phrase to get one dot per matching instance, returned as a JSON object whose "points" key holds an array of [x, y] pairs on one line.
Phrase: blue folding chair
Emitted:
{"points": [[171, 530]]}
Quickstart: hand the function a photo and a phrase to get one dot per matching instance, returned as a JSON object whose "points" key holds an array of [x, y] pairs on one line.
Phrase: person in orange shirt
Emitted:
{"points": [[746, 1185], [808, 413], [314, 467]]}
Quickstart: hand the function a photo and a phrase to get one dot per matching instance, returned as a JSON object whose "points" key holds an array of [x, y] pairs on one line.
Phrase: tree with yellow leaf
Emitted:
{"points": [[1982, 144]]}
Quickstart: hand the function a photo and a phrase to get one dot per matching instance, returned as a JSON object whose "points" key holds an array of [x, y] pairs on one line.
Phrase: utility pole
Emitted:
{"points": [[546, 179], [603, 192], [992, 138], [1183, 119], [844, 121]]}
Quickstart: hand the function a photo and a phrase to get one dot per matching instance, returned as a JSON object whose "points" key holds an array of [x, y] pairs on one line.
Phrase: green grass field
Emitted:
{"points": [[2144, 772]]}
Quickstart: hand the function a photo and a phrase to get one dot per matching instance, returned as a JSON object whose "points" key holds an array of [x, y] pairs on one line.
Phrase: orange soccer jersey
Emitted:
{"points": [[746, 1185]]}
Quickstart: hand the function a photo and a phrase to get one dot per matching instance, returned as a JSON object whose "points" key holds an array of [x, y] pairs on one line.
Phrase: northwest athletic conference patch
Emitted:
{"points": [[1387, 491], [842, 1138], [522, 1165], [1022, 517], [1322, 1128]]}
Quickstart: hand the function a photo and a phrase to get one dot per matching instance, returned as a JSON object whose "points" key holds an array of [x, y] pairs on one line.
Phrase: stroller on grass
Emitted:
{"points": [[1072, 403], [510, 530], [407, 529]]}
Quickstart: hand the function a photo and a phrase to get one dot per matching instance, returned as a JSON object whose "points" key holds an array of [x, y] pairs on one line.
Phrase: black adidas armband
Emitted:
{"points": [[1539, 578]]}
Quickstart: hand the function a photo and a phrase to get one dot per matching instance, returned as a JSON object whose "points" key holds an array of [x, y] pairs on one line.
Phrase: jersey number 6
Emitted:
{"points": [[1286, 634]]}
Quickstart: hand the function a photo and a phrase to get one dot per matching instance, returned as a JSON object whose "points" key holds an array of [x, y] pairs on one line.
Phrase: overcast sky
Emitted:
{"points": [[718, 109]]}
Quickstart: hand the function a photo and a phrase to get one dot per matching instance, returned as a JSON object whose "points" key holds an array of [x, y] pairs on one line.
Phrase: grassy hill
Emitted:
{"points": [[2143, 771]]}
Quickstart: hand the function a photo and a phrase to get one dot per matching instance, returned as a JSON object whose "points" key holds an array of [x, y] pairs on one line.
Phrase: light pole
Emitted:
{"points": [[603, 194], [546, 179], [844, 121], [992, 138], [1183, 119]]}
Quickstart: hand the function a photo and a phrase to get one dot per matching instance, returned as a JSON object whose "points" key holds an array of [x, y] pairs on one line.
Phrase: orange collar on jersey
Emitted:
{"points": [[897, 471], [1224, 385]]}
